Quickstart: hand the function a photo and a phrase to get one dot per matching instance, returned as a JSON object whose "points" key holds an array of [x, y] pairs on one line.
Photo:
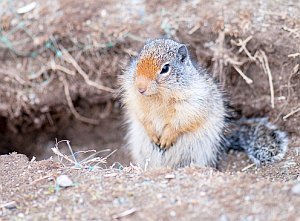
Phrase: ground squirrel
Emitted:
{"points": [[176, 113]]}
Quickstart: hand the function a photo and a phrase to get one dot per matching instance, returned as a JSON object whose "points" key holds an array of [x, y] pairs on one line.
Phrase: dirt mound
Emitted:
{"points": [[29, 192], [61, 59]]}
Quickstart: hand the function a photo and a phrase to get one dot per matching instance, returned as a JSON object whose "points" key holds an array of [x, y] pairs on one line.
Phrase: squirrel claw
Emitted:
{"points": [[168, 138], [152, 135], [155, 139], [165, 144]]}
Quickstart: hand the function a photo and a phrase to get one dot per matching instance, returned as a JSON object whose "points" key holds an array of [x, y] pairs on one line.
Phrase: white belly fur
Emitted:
{"points": [[198, 148]]}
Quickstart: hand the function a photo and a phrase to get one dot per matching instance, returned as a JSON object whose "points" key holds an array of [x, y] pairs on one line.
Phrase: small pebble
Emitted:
{"points": [[170, 176], [223, 217], [119, 201], [21, 215], [64, 181], [10, 205], [296, 189], [173, 213], [247, 198]]}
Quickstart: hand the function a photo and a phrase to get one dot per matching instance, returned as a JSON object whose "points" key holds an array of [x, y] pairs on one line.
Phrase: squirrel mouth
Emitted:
{"points": [[146, 95]]}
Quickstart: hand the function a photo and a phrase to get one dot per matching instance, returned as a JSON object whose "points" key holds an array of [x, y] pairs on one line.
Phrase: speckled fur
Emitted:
{"points": [[181, 118], [261, 140]]}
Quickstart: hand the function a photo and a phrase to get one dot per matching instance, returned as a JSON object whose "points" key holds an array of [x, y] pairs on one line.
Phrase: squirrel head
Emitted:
{"points": [[160, 66]]}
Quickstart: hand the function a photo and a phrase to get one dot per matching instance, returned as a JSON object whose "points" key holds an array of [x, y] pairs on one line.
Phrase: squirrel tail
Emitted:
{"points": [[261, 140]]}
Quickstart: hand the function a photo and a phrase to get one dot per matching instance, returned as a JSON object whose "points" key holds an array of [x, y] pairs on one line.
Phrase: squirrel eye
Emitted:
{"points": [[165, 69]]}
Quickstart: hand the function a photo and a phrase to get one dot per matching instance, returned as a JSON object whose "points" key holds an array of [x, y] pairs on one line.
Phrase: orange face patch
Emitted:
{"points": [[148, 68]]}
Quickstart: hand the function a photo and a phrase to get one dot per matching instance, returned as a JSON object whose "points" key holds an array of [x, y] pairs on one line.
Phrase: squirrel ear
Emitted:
{"points": [[182, 53]]}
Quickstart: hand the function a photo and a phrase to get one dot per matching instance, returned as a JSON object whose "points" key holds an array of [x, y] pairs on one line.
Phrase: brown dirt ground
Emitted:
{"points": [[101, 36], [185, 194]]}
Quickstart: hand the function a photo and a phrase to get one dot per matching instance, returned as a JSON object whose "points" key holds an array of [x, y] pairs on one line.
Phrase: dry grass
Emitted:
{"points": [[90, 162]]}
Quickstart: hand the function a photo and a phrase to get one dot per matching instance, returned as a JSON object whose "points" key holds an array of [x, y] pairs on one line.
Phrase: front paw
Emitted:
{"points": [[154, 139], [165, 143], [168, 138], [152, 134]]}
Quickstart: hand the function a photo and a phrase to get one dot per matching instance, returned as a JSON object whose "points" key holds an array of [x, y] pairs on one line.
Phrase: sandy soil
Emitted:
{"points": [[131, 194]]}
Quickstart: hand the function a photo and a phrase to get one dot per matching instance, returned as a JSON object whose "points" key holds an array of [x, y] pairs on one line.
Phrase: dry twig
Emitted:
{"points": [[248, 167], [291, 31], [295, 70], [67, 57], [243, 46], [72, 108], [291, 113], [15, 76], [195, 28], [52, 66], [262, 58], [247, 79], [294, 55], [40, 179], [125, 213], [225, 57], [56, 151]]}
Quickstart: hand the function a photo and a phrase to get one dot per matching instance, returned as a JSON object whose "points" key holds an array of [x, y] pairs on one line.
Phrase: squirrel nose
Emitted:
{"points": [[142, 90]]}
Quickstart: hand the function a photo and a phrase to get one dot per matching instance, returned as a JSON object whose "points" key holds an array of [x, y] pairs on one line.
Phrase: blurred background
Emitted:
{"points": [[60, 60]]}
